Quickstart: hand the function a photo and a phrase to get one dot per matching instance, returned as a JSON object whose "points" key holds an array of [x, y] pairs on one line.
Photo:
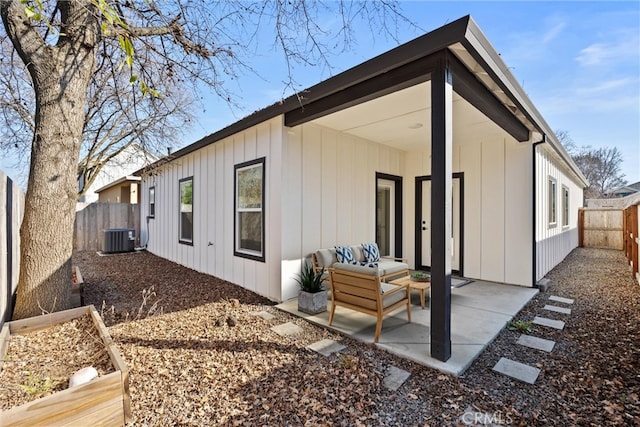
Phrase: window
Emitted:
{"points": [[565, 206], [152, 202], [552, 203], [186, 210], [249, 210]]}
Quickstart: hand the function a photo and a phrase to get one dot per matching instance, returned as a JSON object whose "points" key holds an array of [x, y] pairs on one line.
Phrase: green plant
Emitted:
{"points": [[420, 275], [37, 386], [309, 280], [522, 326]]}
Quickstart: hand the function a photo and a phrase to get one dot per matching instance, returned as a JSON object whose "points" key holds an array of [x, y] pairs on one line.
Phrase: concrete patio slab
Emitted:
{"points": [[557, 309], [561, 299], [517, 370], [395, 378], [326, 347], [479, 311], [543, 321], [287, 329], [536, 343]]}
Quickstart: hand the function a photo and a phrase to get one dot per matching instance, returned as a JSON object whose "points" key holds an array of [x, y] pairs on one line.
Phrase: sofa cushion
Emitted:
{"points": [[354, 268], [357, 253], [370, 252], [345, 255], [387, 267], [326, 257], [390, 299]]}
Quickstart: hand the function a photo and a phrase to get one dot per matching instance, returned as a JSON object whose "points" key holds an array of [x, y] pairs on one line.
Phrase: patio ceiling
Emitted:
{"points": [[402, 119]]}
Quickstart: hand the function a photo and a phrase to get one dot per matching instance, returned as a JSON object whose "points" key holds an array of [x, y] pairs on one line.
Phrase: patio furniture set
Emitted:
{"points": [[362, 280]]}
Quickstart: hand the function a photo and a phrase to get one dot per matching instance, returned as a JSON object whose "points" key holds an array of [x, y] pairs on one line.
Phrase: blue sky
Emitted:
{"points": [[579, 62]]}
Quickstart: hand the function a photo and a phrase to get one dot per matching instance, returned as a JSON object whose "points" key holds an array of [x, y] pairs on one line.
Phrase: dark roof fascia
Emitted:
{"points": [[477, 44], [415, 49]]}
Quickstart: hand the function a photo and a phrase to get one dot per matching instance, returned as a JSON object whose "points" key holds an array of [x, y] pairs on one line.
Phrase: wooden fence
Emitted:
{"points": [[11, 212], [96, 217], [632, 238], [601, 228]]}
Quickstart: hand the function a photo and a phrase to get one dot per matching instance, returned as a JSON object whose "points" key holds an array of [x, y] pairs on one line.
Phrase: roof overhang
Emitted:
{"points": [[480, 76], [125, 179]]}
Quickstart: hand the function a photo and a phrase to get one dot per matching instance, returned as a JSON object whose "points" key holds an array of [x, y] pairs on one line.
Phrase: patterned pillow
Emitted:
{"points": [[368, 264], [345, 255], [371, 252]]}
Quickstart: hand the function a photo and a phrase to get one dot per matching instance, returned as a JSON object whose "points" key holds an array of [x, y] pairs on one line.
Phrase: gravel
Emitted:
{"points": [[191, 365]]}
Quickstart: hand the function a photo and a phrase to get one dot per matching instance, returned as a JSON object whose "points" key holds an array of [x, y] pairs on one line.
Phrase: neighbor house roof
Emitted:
{"points": [[128, 178], [463, 38]]}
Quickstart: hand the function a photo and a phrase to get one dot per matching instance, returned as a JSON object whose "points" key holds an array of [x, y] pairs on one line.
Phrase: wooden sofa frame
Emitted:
{"points": [[362, 292]]}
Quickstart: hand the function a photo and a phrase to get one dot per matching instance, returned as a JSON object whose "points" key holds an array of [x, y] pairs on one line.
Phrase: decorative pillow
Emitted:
{"points": [[345, 255], [368, 264], [371, 252]]}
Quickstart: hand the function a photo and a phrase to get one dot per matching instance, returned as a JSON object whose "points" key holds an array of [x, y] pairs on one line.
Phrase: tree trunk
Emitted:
{"points": [[60, 76]]}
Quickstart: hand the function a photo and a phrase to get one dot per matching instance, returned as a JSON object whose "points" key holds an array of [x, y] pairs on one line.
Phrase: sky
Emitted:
{"points": [[579, 63]]}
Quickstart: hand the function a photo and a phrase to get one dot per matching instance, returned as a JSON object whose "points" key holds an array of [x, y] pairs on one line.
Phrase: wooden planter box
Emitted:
{"points": [[105, 401]]}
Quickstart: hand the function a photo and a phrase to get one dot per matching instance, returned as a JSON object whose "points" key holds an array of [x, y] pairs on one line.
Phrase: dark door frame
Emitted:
{"points": [[397, 243], [418, 225]]}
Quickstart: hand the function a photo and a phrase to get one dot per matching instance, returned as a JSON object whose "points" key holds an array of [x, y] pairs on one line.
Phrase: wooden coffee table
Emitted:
{"points": [[413, 284]]}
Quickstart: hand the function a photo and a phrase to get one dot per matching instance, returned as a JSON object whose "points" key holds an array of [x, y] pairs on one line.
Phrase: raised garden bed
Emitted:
{"points": [[103, 401]]}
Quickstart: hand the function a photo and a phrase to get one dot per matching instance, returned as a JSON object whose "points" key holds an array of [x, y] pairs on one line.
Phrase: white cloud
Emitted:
{"points": [[553, 32], [623, 47]]}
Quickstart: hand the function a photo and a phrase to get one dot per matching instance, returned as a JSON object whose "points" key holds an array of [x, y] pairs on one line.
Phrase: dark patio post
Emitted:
{"points": [[441, 190]]}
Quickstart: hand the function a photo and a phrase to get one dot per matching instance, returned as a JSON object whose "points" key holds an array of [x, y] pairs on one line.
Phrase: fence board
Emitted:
{"points": [[96, 217], [11, 212], [602, 228]]}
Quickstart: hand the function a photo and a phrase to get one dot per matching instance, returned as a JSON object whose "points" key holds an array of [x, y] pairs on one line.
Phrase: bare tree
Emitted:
{"points": [[601, 166], [162, 45]]}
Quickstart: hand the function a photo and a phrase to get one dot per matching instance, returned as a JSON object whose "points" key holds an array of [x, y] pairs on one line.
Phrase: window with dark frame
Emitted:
{"points": [[249, 209], [152, 202], [565, 206], [553, 214], [186, 211]]}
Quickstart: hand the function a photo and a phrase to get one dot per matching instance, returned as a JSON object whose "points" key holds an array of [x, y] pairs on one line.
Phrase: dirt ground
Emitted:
{"points": [[198, 356]]}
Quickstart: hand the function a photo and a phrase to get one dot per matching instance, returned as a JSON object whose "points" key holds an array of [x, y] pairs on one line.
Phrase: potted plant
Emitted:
{"points": [[312, 298]]}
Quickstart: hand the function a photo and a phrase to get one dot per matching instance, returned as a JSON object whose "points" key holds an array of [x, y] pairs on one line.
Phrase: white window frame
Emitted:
{"points": [[181, 206], [257, 255], [552, 187]]}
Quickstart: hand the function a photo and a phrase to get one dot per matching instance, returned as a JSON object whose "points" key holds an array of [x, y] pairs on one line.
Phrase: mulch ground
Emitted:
{"points": [[198, 356]]}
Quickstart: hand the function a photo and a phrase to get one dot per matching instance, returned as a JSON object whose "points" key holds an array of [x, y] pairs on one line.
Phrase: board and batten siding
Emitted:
{"points": [[212, 169], [497, 205], [330, 181], [554, 242]]}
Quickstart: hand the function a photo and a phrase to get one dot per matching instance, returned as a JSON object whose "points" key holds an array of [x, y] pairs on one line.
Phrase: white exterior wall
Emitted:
{"points": [[212, 168], [497, 205], [554, 242], [329, 200]]}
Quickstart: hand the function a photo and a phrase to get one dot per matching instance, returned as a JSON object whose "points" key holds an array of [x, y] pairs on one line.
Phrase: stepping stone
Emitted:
{"points": [[537, 343], [561, 299], [326, 347], [543, 321], [557, 309], [287, 329], [517, 370], [395, 378], [264, 314]]}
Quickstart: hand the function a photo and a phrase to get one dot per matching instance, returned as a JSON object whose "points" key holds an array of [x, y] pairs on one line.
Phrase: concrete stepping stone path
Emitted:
{"points": [[395, 378], [517, 370], [561, 299], [557, 309], [536, 343], [287, 329], [326, 347], [264, 314], [543, 321]]}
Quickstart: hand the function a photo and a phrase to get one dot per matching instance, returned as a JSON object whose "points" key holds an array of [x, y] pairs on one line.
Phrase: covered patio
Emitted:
{"points": [[479, 311]]}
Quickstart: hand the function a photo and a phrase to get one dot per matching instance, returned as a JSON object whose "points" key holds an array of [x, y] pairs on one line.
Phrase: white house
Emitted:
{"points": [[431, 149], [131, 159]]}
